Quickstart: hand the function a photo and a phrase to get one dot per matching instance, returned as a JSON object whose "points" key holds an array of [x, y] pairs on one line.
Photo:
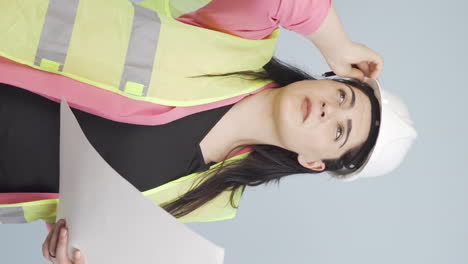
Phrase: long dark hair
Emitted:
{"points": [[268, 163]]}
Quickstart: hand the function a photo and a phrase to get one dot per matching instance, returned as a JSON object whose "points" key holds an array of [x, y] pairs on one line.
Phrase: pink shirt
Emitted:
{"points": [[256, 19]]}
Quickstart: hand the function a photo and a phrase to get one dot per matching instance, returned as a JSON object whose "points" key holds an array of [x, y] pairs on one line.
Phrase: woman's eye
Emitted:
{"points": [[339, 133], [342, 96]]}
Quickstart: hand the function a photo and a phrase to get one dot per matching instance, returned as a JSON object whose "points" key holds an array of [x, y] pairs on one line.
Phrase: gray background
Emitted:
{"points": [[417, 214]]}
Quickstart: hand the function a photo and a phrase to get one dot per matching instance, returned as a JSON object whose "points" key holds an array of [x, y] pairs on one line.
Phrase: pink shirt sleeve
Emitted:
{"points": [[257, 19]]}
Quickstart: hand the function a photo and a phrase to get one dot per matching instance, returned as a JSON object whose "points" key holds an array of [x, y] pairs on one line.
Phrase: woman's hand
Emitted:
{"points": [[366, 62], [342, 54], [56, 244]]}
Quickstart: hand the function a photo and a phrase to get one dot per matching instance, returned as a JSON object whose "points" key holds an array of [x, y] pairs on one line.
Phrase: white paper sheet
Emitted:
{"points": [[110, 220]]}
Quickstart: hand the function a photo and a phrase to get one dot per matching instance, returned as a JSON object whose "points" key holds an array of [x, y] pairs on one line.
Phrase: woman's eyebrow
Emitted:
{"points": [[353, 97], [348, 131], [349, 122]]}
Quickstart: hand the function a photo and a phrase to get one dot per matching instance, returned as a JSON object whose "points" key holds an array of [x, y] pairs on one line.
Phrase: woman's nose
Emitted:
{"points": [[327, 110]]}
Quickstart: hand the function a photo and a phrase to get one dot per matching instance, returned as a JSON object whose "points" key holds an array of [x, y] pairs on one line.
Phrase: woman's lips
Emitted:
{"points": [[305, 109]]}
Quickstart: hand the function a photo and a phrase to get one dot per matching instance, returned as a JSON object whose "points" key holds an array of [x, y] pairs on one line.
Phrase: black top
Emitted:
{"points": [[146, 156]]}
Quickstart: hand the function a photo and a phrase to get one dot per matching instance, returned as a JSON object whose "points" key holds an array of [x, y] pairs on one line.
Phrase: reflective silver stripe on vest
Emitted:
{"points": [[12, 215], [142, 46], [56, 34]]}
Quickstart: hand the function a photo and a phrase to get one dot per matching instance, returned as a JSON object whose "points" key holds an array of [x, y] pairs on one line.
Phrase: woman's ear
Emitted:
{"points": [[317, 165]]}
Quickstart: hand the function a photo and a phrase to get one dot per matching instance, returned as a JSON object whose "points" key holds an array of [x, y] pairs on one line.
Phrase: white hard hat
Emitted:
{"points": [[395, 137]]}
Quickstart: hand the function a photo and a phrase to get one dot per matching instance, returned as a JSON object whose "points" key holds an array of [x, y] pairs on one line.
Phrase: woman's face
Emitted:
{"points": [[339, 120]]}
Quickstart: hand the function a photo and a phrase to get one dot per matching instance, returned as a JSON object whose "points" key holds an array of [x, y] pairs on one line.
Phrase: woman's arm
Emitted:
{"points": [[316, 20], [330, 35]]}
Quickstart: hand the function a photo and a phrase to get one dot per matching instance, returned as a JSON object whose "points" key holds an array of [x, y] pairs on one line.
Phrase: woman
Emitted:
{"points": [[332, 111]]}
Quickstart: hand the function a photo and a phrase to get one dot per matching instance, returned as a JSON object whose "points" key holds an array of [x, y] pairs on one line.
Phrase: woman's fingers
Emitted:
{"points": [[376, 69], [45, 245], [54, 238], [62, 246], [375, 62], [62, 251], [78, 257], [364, 67]]}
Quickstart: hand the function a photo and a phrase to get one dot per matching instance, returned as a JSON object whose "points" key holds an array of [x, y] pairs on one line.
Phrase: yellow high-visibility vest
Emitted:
{"points": [[136, 50]]}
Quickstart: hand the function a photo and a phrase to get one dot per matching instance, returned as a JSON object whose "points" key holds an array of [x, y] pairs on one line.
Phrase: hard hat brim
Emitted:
{"points": [[376, 86]]}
